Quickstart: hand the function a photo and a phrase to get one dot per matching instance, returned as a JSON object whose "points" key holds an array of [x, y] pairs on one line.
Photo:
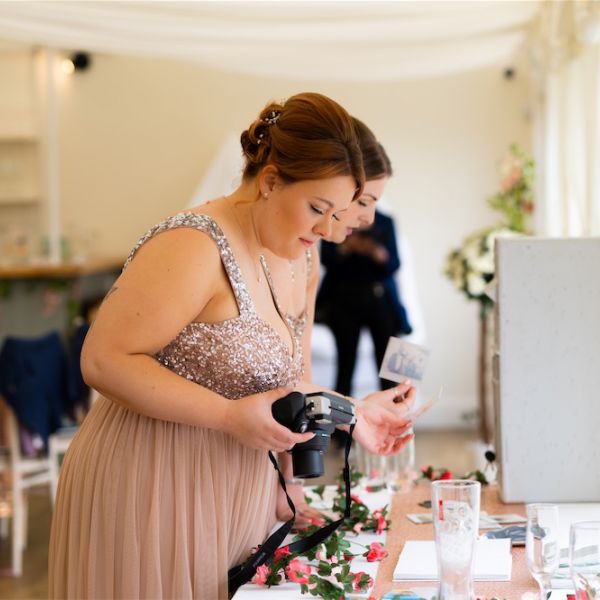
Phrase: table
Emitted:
{"points": [[521, 581], [402, 529]]}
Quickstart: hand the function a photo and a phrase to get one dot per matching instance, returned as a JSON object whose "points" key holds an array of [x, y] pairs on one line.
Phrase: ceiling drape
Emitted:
{"points": [[349, 41]]}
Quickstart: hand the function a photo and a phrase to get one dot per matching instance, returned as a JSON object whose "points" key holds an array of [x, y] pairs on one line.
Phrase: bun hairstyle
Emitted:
{"points": [[309, 136], [376, 162]]}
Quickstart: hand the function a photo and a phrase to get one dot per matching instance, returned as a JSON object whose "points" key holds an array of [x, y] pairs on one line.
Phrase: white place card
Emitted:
{"points": [[417, 561]]}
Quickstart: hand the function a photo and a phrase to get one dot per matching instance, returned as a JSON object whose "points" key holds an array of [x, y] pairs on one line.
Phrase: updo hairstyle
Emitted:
{"points": [[309, 136], [376, 162]]}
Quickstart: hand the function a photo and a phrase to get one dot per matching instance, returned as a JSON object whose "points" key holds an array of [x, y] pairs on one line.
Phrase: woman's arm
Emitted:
{"points": [[382, 424], [173, 279]]}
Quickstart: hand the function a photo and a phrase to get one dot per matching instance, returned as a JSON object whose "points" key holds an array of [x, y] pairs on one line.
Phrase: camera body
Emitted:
{"points": [[319, 412]]}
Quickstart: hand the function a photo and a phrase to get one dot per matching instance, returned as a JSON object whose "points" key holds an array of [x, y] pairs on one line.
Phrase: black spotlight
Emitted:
{"points": [[509, 73], [81, 61]]}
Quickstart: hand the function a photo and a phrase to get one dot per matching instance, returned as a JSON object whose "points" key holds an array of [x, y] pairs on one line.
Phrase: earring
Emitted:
{"points": [[265, 195]]}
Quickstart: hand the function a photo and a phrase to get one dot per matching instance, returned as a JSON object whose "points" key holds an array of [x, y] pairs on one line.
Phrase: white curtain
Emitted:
{"points": [[569, 152], [351, 41]]}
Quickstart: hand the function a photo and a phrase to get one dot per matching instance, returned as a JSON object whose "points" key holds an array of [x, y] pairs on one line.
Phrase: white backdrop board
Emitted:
{"points": [[547, 369]]}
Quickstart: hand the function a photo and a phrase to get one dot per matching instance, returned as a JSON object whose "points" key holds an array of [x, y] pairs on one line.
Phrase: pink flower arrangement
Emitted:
{"points": [[511, 172], [442, 474], [361, 580], [281, 552], [325, 571], [515, 198], [298, 571], [262, 573], [375, 552], [381, 521]]}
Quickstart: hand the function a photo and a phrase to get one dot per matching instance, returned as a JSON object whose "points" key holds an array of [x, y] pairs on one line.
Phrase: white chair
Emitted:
{"points": [[58, 444], [25, 472]]}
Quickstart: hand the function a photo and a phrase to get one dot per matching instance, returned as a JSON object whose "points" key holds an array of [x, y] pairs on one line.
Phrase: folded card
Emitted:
{"points": [[418, 561]]}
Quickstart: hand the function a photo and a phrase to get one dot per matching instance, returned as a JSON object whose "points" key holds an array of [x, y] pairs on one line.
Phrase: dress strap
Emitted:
{"points": [[209, 226]]}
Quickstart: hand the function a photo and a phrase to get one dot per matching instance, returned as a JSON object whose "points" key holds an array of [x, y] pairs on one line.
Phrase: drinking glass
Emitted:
{"points": [[372, 466], [541, 544], [399, 467], [584, 557], [455, 508]]}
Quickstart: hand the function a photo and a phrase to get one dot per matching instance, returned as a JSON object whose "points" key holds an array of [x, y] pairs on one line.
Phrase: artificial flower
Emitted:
{"points": [[262, 573], [375, 552], [298, 571], [281, 552], [361, 580]]}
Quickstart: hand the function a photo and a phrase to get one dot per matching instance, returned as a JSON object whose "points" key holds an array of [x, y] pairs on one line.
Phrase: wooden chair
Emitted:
{"points": [[23, 472]]}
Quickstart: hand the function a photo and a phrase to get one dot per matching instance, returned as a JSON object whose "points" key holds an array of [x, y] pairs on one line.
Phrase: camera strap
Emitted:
{"points": [[242, 573]]}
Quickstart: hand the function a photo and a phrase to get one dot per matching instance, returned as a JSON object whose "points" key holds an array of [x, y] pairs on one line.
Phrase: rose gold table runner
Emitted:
{"points": [[402, 529]]}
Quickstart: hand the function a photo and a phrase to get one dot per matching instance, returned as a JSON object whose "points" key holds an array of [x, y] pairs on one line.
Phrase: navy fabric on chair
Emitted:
{"points": [[79, 392], [34, 381]]}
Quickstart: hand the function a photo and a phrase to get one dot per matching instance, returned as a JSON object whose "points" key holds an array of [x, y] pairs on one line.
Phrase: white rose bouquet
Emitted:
{"points": [[471, 266]]}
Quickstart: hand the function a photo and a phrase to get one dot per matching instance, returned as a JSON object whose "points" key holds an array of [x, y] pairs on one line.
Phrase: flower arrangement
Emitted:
{"points": [[433, 474], [515, 198], [326, 571], [471, 266], [485, 477]]}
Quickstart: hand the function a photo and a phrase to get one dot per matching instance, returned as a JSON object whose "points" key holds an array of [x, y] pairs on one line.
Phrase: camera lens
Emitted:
{"points": [[307, 458]]}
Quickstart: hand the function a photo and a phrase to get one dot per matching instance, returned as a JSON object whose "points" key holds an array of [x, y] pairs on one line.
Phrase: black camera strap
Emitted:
{"points": [[242, 573], [322, 534]]}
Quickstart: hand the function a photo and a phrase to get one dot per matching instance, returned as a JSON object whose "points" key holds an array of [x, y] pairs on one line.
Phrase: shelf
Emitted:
{"points": [[63, 270], [19, 199], [7, 137], [11, 133]]}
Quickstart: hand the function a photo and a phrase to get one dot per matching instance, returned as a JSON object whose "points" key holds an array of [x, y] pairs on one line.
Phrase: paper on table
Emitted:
{"points": [[493, 561]]}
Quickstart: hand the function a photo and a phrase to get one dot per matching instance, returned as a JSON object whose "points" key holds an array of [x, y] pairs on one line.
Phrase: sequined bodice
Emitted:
{"points": [[237, 357]]}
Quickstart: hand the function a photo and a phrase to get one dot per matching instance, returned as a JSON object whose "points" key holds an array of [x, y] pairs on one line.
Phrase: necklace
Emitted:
{"points": [[258, 268]]}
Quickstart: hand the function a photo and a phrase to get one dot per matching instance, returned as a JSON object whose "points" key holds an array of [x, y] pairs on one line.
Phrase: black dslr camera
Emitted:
{"points": [[318, 412]]}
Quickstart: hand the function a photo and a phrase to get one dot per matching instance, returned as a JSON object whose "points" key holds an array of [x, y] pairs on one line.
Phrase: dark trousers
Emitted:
{"points": [[362, 307]]}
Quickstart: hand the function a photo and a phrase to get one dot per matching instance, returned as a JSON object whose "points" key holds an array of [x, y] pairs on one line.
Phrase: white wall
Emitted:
{"points": [[137, 135]]}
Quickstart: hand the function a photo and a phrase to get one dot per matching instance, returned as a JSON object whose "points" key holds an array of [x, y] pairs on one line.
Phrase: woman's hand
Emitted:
{"points": [[305, 514], [382, 423], [251, 421]]}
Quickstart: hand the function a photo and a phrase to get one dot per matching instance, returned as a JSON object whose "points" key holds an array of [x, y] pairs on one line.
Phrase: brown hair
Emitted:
{"points": [[376, 162], [309, 136]]}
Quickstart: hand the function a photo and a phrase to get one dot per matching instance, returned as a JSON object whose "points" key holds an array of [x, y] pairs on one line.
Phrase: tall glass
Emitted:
{"points": [[455, 508], [584, 557], [541, 544]]}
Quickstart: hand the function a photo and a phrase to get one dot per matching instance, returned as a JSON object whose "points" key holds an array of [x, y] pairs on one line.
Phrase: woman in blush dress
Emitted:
{"points": [[168, 484]]}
